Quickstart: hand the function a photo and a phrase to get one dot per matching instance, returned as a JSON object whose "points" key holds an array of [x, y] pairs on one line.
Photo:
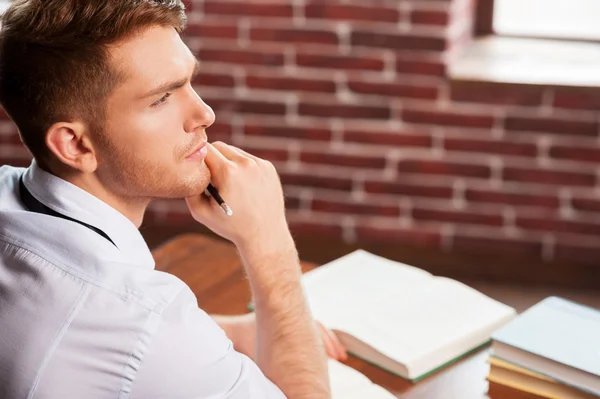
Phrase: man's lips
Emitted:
{"points": [[199, 152]]}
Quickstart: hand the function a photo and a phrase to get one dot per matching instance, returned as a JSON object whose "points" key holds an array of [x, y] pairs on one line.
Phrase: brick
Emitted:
{"points": [[314, 228], [292, 202], [286, 131], [497, 244], [296, 36], [214, 79], [355, 208], [347, 12], [586, 204], [315, 181], [261, 107], [546, 176], [457, 216], [397, 235], [520, 198], [232, 105], [429, 17], [558, 226], [189, 5], [290, 83], [398, 139], [220, 105], [175, 217], [347, 63], [219, 132], [16, 160], [552, 125], [358, 161], [12, 138], [448, 118], [270, 154], [243, 57], [490, 146], [345, 111], [496, 93], [408, 189], [575, 153], [394, 89], [446, 168], [577, 98], [211, 30], [248, 9], [578, 251], [406, 65], [3, 115], [371, 39]]}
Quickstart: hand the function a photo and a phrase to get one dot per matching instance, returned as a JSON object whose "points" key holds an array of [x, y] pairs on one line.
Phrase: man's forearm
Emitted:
{"points": [[289, 350]]}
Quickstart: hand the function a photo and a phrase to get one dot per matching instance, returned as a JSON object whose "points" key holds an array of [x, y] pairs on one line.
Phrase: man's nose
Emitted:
{"points": [[201, 115]]}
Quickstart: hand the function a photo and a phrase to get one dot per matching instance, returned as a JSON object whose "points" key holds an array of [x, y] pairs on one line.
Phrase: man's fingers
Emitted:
{"points": [[200, 205], [214, 158], [339, 349], [333, 346], [230, 152], [247, 154], [329, 348]]}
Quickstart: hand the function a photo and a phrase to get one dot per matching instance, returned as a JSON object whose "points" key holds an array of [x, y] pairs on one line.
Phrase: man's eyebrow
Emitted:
{"points": [[169, 86]]}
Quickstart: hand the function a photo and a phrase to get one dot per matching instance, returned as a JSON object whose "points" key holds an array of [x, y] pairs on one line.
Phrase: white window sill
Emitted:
{"points": [[529, 61]]}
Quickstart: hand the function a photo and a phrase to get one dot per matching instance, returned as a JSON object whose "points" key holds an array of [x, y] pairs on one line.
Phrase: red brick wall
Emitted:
{"points": [[373, 142]]}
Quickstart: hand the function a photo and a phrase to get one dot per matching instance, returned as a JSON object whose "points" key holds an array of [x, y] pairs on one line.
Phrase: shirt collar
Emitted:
{"points": [[70, 200]]}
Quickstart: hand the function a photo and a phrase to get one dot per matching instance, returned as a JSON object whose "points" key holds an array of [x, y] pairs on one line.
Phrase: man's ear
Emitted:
{"points": [[70, 143]]}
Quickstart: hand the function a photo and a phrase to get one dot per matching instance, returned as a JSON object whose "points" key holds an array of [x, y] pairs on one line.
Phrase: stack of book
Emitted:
{"points": [[552, 350]]}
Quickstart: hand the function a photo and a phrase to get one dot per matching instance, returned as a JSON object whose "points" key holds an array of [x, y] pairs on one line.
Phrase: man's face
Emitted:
{"points": [[153, 140]]}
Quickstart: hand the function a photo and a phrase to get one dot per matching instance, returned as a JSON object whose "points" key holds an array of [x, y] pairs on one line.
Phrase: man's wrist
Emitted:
{"points": [[259, 250]]}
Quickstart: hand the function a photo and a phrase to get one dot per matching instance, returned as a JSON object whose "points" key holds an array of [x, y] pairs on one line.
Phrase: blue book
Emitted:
{"points": [[556, 338]]}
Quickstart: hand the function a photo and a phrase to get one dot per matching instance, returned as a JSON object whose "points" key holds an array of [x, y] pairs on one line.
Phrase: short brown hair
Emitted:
{"points": [[54, 62]]}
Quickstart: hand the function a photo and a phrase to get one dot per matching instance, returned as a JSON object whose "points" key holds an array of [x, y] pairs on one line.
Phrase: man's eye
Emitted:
{"points": [[162, 100]]}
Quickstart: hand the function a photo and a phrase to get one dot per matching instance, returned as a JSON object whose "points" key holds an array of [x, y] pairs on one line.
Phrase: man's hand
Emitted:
{"points": [[242, 332], [252, 189]]}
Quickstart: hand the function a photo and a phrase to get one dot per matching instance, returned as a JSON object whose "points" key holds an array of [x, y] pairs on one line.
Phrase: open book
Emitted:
{"points": [[347, 383], [399, 317]]}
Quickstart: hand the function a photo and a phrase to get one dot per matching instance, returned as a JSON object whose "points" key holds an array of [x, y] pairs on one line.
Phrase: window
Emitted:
{"points": [[542, 42], [555, 19]]}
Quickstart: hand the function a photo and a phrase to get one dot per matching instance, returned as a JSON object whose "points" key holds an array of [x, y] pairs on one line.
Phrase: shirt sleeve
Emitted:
{"points": [[191, 357]]}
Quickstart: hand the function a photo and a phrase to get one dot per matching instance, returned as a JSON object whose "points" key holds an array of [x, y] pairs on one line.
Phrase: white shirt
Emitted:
{"points": [[81, 317]]}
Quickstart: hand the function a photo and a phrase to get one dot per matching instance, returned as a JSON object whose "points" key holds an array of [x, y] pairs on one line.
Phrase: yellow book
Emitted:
{"points": [[511, 375]]}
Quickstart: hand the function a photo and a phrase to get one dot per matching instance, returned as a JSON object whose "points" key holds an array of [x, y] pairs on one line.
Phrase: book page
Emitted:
{"points": [[351, 285], [434, 324], [348, 383]]}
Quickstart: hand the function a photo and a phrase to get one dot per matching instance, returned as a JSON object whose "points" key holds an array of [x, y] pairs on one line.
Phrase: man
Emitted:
{"points": [[101, 93]]}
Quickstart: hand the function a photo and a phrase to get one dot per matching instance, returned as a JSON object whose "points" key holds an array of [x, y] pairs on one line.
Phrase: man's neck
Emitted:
{"points": [[132, 208]]}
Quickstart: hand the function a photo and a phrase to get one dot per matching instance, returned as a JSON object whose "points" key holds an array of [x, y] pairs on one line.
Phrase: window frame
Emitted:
{"points": [[484, 18], [484, 25]]}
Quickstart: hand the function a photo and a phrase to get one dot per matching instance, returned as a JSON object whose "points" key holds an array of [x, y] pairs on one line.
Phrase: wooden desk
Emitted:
{"points": [[214, 272]]}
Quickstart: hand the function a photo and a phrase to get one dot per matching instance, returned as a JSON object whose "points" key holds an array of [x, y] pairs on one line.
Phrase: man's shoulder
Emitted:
{"points": [[9, 186]]}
